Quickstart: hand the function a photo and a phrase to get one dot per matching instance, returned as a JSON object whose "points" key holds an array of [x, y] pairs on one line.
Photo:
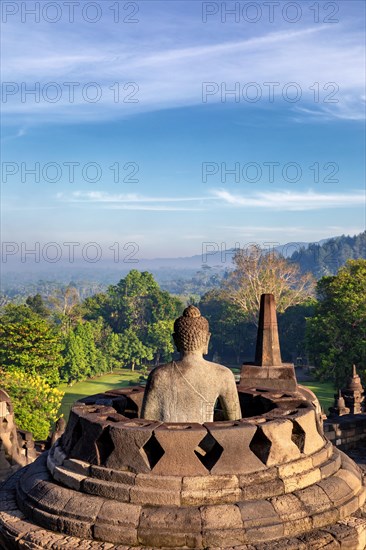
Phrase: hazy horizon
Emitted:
{"points": [[170, 124]]}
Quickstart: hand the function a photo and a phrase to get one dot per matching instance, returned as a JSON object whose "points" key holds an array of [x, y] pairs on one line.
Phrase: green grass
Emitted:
{"points": [[100, 384], [323, 390]]}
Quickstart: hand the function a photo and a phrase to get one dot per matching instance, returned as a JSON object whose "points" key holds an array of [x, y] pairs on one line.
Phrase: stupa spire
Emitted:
{"points": [[268, 352], [268, 371]]}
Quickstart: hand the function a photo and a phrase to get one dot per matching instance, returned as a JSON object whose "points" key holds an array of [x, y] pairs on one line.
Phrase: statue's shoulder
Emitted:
{"points": [[161, 370], [225, 371]]}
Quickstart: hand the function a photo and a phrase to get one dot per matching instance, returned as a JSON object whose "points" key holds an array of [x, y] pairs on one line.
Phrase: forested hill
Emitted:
{"points": [[327, 258]]}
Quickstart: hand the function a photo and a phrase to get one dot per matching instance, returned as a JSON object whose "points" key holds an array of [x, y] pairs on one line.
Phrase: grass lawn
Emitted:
{"points": [[323, 390], [100, 384]]}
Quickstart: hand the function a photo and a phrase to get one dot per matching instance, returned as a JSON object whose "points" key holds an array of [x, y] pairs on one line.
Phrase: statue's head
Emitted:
{"points": [[191, 331]]}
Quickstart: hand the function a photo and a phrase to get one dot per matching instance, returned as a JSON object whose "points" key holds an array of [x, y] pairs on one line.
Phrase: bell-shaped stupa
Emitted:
{"points": [[264, 481]]}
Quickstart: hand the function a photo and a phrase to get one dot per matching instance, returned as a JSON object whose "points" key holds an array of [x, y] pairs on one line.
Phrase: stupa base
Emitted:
{"points": [[269, 481], [19, 533]]}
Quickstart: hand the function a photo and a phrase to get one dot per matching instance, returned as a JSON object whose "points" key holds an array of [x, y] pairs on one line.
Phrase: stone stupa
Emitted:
{"points": [[16, 447], [268, 480], [353, 393]]}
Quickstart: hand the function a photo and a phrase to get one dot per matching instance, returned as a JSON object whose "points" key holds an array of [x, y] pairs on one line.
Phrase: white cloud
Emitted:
{"points": [[168, 76], [102, 196], [131, 201], [281, 200], [292, 201]]}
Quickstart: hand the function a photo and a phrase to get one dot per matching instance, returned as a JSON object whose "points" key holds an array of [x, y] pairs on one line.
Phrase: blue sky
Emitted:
{"points": [[299, 164]]}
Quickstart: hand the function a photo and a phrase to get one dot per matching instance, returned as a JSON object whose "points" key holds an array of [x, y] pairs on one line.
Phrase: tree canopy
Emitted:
{"points": [[29, 343], [256, 273], [336, 335], [141, 314], [36, 403]]}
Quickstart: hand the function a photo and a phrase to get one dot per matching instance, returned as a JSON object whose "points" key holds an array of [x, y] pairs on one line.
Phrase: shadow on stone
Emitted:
{"points": [[208, 451], [260, 445], [298, 436], [152, 452], [104, 446]]}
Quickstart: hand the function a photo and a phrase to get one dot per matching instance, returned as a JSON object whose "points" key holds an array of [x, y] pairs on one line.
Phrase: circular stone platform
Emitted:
{"points": [[116, 481]]}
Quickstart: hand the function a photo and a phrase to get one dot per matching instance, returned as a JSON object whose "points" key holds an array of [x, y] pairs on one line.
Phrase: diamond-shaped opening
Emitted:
{"points": [[208, 451], [298, 436], [261, 445], [152, 452], [70, 441], [104, 446]]}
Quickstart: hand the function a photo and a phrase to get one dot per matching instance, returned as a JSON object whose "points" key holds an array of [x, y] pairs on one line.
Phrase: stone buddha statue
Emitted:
{"points": [[187, 390]]}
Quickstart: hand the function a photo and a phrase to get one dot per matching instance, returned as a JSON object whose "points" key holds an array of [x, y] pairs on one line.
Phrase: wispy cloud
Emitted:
{"points": [[292, 201], [19, 134], [102, 196], [282, 200], [170, 76], [131, 201]]}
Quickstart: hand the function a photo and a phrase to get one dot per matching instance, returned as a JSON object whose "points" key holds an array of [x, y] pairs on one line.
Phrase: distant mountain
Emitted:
{"points": [[326, 258], [183, 275], [213, 256]]}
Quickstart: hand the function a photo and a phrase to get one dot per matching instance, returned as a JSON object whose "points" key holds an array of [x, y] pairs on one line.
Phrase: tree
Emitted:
{"points": [[36, 404], [292, 330], [65, 299], [326, 258], [37, 305], [233, 337], [113, 351], [133, 351], [257, 272], [160, 340], [85, 332], [30, 344], [75, 367], [336, 335], [65, 302], [135, 302]]}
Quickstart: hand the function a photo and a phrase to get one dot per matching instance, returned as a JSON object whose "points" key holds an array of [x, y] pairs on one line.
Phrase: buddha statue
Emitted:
{"points": [[188, 389]]}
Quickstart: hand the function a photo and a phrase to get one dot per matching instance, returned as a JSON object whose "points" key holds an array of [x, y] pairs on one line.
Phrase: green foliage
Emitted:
{"points": [[133, 351], [75, 367], [85, 332], [159, 338], [195, 284], [90, 350], [30, 344], [128, 325], [135, 301], [327, 258], [36, 403], [336, 335], [292, 329], [232, 336], [112, 350], [37, 305], [138, 311]]}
